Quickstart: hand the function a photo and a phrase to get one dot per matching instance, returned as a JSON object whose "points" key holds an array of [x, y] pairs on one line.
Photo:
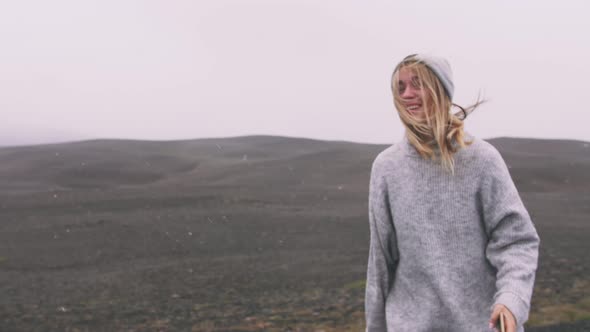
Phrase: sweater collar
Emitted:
{"points": [[410, 150]]}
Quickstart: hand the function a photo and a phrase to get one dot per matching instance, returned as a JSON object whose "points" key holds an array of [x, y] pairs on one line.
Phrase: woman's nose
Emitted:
{"points": [[408, 92]]}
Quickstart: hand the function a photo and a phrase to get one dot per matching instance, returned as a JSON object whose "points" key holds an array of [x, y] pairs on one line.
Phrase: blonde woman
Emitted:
{"points": [[452, 246]]}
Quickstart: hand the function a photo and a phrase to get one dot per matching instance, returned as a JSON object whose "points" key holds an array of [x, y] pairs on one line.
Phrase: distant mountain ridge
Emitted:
{"points": [[536, 165]]}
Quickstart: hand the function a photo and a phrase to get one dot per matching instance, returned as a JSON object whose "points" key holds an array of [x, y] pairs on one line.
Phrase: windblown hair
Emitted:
{"points": [[440, 134]]}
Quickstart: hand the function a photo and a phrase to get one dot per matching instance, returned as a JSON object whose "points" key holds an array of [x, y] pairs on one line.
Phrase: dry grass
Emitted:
{"points": [[551, 308]]}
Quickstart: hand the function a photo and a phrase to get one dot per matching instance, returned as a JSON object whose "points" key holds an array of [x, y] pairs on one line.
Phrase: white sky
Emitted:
{"points": [[307, 68]]}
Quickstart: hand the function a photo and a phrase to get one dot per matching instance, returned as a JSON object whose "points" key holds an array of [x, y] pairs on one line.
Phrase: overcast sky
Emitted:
{"points": [[306, 68]]}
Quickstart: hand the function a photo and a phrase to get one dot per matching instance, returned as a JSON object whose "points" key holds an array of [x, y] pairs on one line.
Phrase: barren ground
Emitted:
{"points": [[241, 234]]}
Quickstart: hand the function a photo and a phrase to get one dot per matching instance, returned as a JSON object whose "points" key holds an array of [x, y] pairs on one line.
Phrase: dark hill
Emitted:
{"points": [[546, 165], [114, 163], [536, 165]]}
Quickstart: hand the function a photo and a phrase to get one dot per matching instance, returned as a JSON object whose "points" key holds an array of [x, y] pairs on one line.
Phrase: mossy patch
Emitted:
{"points": [[359, 284], [561, 309]]}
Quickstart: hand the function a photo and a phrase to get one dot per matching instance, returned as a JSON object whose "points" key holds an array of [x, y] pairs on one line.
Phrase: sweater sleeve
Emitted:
{"points": [[382, 254], [513, 243]]}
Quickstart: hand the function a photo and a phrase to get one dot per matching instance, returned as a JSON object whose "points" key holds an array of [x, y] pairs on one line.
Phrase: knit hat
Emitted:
{"points": [[439, 66]]}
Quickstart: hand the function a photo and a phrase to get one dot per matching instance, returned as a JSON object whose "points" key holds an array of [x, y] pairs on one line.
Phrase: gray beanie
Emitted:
{"points": [[439, 66]]}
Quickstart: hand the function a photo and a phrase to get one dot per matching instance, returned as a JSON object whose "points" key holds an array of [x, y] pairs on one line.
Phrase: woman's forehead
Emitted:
{"points": [[406, 73]]}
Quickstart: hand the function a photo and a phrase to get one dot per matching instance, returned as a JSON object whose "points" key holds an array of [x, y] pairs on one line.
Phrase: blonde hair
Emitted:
{"points": [[440, 133]]}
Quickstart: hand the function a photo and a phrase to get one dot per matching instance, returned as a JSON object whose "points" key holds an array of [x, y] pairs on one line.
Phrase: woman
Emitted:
{"points": [[452, 245]]}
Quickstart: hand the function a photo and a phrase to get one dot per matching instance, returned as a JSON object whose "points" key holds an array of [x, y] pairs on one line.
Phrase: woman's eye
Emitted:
{"points": [[401, 88], [416, 83]]}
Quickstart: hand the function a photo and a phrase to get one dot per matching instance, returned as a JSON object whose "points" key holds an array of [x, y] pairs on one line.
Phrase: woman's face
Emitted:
{"points": [[411, 93]]}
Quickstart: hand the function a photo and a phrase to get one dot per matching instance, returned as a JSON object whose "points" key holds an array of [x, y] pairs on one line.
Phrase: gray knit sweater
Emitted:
{"points": [[445, 248]]}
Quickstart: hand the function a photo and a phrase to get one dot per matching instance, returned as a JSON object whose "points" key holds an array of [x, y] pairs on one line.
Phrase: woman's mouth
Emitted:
{"points": [[413, 108]]}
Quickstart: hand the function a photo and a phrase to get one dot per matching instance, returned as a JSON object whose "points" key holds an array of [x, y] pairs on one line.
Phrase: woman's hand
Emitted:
{"points": [[509, 321]]}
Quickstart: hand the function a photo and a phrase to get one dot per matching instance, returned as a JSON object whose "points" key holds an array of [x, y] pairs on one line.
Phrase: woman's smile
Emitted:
{"points": [[414, 108]]}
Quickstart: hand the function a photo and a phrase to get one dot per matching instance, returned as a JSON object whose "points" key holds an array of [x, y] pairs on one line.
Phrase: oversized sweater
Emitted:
{"points": [[445, 248]]}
